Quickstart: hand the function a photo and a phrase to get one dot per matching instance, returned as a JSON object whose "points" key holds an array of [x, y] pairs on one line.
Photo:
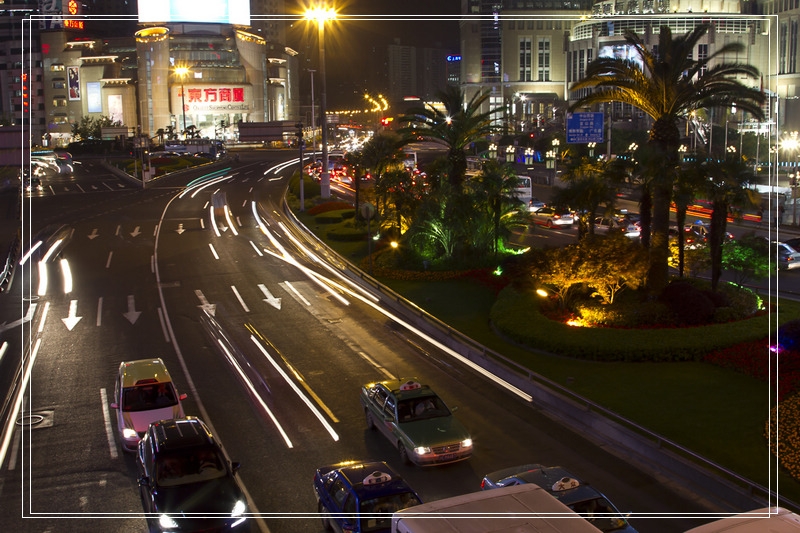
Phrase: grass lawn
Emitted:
{"points": [[717, 413]]}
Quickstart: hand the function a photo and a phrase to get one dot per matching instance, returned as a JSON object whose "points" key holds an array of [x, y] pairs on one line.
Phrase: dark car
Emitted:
{"points": [[569, 490], [186, 481], [361, 497]]}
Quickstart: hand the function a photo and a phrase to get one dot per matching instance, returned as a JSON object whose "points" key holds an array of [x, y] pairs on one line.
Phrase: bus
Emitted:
{"points": [[775, 519]]}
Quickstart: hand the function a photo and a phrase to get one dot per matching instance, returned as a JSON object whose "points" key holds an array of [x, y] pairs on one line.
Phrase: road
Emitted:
{"points": [[270, 341]]}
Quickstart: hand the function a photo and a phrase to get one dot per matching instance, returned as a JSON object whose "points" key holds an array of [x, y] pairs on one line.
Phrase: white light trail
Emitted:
{"points": [[65, 271], [256, 395], [228, 219], [45, 309], [297, 390], [12, 419], [52, 250], [28, 255], [42, 279], [213, 220]]}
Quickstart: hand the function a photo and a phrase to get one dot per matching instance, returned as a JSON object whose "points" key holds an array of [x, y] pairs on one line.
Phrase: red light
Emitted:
{"points": [[45, 48], [73, 7]]}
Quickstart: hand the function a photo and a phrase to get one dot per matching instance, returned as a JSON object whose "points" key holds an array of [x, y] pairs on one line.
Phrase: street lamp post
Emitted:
{"points": [[555, 160], [321, 15], [182, 72], [313, 122]]}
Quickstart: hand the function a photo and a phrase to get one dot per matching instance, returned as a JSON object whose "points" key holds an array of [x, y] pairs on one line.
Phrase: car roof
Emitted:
{"points": [[180, 433], [403, 389], [143, 372], [546, 477], [365, 479]]}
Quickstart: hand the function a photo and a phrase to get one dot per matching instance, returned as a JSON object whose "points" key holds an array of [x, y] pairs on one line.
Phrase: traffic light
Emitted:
{"points": [[299, 132]]}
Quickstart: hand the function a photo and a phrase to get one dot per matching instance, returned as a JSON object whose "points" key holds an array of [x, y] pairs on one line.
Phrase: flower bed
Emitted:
{"points": [[783, 433]]}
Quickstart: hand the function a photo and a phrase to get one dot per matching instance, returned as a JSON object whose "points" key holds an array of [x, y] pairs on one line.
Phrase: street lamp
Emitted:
{"points": [[555, 159], [182, 72], [322, 15]]}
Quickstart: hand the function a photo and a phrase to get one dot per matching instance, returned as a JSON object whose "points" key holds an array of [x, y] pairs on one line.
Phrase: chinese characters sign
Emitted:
{"points": [[585, 128], [233, 99]]}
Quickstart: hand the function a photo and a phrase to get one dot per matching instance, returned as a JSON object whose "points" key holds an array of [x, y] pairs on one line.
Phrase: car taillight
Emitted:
{"points": [[556, 216], [483, 484]]}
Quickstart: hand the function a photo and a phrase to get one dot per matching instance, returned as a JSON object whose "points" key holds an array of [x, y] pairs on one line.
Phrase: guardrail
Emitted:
{"points": [[727, 488]]}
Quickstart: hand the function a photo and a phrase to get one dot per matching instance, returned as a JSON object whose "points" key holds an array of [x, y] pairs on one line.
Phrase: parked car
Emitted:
{"points": [[416, 421], [361, 497], [143, 393], [552, 217], [186, 481], [788, 257], [604, 225], [571, 491]]}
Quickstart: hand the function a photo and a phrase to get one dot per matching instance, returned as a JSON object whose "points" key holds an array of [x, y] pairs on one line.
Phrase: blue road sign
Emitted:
{"points": [[585, 128]]}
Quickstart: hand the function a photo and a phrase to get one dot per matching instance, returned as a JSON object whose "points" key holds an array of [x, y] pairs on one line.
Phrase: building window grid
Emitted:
{"points": [[525, 59], [543, 46], [792, 63]]}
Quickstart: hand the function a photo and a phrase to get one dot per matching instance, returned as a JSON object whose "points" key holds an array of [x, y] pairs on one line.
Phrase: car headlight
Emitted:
{"points": [[239, 508], [466, 443], [128, 433], [422, 450], [166, 522]]}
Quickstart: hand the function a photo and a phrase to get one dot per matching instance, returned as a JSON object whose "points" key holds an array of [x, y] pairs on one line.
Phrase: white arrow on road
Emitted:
{"points": [[71, 319], [135, 232], [211, 308], [132, 315], [27, 318], [180, 229], [270, 299], [93, 234]]}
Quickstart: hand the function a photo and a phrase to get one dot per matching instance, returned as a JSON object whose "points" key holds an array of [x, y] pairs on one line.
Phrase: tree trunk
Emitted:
{"points": [[716, 237], [657, 277], [680, 218], [645, 216]]}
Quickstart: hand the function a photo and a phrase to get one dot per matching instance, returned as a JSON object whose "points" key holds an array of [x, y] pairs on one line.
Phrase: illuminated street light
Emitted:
{"points": [[321, 15], [182, 72]]}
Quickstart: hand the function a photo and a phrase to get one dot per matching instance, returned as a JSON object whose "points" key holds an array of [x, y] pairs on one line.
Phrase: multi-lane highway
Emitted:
{"points": [[269, 339]]}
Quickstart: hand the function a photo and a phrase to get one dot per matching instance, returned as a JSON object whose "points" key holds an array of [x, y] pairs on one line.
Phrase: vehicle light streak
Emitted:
{"points": [[302, 396], [28, 255], [230, 223], [255, 394], [212, 182], [42, 290], [51, 251], [213, 220], [208, 176], [65, 271], [3, 349], [12, 419], [44, 316], [313, 276]]}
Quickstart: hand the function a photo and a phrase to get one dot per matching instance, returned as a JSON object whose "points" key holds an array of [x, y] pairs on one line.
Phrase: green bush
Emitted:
{"points": [[688, 303], [347, 234], [517, 316], [332, 217]]}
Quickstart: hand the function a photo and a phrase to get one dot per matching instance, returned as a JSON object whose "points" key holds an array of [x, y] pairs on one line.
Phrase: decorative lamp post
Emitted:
{"points": [[321, 15], [556, 142], [182, 72]]}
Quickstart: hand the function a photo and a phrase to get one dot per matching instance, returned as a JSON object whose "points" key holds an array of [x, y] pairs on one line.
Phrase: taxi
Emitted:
{"points": [[416, 421], [143, 394], [361, 496]]}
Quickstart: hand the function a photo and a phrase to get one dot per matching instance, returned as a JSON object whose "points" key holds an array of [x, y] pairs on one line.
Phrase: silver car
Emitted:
{"points": [[552, 217]]}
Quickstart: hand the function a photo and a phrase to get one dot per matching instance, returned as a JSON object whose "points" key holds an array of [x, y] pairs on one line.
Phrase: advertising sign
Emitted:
{"points": [[115, 111], [74, 75], [94, 103], [213, 98], [219, 11], [585, 128]]}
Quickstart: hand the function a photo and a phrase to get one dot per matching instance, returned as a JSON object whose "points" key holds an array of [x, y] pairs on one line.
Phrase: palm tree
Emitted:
{"points": [[354, 162], [401, 192], [382, 152], [590, 185], [496, 186], [690, 180], [727, 186], [668, 86], [459, 125]]}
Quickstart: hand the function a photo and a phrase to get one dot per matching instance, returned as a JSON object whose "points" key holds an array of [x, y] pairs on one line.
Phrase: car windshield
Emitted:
{"points": [[421, 408], [376, 514], [600, 513], [146, 397], [189, 466]]}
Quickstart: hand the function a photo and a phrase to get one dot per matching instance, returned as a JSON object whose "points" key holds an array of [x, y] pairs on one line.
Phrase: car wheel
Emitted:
{"points": [[404, 458], [370, 421], [326, 523], [550, 223]]}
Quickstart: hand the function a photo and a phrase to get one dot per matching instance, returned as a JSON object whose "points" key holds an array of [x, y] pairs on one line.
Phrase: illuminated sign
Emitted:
{"points": [[220, 11], [25, 91], [72, 7], [454, 58], [94, 104], [74, 24], [227, 99]]}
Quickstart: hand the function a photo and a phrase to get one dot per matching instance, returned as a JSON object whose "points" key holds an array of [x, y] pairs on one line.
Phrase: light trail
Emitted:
{"points": [[65, 271]]}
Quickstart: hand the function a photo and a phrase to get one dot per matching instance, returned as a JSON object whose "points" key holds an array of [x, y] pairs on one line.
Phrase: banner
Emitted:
{"points": [[73, 73]]}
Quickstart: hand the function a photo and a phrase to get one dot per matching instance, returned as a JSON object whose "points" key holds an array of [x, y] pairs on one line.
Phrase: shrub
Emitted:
{"points": [[789, 335], [346, 234], [330, 206], [744, 301], [688, 303], [332, 217]]}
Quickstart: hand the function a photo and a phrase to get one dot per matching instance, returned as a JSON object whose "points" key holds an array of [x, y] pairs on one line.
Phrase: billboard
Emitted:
{"points": [[74, 76], [219, 11], [212, 98], [115, 111], [94, 103], [621, 51]]}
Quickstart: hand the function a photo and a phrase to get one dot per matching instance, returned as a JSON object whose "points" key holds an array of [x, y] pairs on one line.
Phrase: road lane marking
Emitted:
{"points": [[371, 361], [270, 299], [163, 325], [107, 419], [291, 288], [213, 251], [239, 297], [108, 261], [79, 187], [72, 319], [99, 309], [256, 249], [209, 307]]}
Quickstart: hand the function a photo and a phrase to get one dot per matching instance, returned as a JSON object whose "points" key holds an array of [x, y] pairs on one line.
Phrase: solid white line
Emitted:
{"points": [[107, 419], [163, 326], [44, 316], [291, 383], [213, 251], [238, 297], [291, 288], [99, 309], [108, 261]]}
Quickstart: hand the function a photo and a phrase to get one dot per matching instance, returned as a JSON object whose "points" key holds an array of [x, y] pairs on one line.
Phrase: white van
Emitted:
{"points": [[768, 519], [518, 508]]}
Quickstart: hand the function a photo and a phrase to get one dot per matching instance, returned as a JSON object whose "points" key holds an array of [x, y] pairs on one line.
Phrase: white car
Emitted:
{"points": [[553, 217], [143, 394]]}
